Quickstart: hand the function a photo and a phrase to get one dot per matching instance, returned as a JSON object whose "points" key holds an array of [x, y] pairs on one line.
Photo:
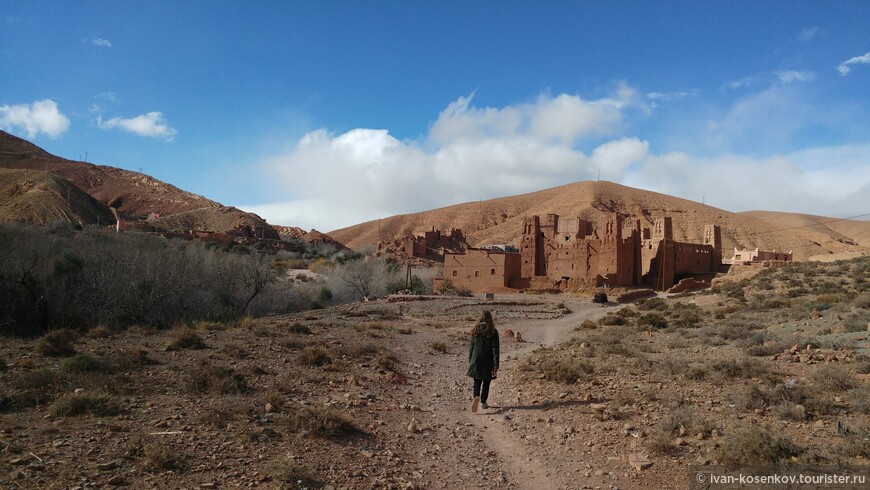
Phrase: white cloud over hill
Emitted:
{"points": [[41, 116]]}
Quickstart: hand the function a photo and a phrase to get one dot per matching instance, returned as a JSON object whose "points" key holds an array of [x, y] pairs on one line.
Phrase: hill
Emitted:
{"points": [[499, 221], [32, 196], [133, 194], [831, 231]]}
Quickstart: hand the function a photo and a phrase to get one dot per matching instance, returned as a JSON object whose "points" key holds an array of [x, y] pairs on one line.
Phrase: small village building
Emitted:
{"points": [[482, 269], [748, 256]]}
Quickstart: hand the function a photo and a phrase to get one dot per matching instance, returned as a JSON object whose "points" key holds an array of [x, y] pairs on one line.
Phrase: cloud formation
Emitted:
{"points": [[150, 125], [472, 153], [98, 41], [41, 116], [844, 67]]}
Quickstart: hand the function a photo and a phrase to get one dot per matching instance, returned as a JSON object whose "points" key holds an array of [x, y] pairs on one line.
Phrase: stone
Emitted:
{"points": [[700, 436], [412, 426], [637, 461], [680, 442], [518, 336], [117, 481], [268, 408], [107, 466]]}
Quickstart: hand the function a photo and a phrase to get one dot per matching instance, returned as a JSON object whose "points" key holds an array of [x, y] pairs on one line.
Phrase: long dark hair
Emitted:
{"points": [[485, 317]]}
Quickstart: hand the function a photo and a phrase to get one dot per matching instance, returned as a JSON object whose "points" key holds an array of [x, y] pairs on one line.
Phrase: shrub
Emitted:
{"points": [[684, 416], [157, 455], [586, 325], [287, 470], [57, 343], [657, 304], [315, 355], [83, 362], [567, 371], [185, 338], [833, 377], [739, 368], [653, 321], [661, 443], [321, 421], [439, 347], [860, 398], [755, 446], [216, 380], [83, 403], [600, 298], [857, 444]]}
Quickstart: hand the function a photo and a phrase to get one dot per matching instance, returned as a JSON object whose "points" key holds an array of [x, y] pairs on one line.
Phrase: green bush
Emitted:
{"points": [[755, 446], [83, 362]]}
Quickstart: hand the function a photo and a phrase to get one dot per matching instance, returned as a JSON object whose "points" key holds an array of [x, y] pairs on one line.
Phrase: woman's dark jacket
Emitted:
{"points": [[482, 354]]}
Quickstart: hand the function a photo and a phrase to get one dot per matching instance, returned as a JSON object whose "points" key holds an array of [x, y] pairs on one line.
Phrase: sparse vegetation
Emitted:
{"points": [[57, 343], [832, 377], [315, 355], [321, 421], [185, 338], [755, 446], [216, 380], [72, 405]]}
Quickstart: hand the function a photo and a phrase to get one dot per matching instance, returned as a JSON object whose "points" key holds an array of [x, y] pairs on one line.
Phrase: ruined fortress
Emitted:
{"points": [[573, 253]]}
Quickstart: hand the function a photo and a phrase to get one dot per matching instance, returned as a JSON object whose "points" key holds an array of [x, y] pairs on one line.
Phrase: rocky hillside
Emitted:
{"points": [[133, 194], [498, 221], [32, 196]]}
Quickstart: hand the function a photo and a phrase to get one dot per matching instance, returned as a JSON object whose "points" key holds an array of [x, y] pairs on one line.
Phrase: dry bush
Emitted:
{"points": [[72, 405], [856, 444], [586, 325], [234, 350], [287, 470], [405, 331], [35, 387], [860, 398], [785, 400], [185, 338], [661, 443], [100, 332], [558, 369], [124, 360], [292, 344], [746, 367], [790, 411], [83, 362], [755, 446], [686, 417], [224, 411], [321, 421], [57, 343], [833, 377], [216, 380], [299, 328], [439, 347], [653, 321], [386, 361], [315, 355], [157, 455]]}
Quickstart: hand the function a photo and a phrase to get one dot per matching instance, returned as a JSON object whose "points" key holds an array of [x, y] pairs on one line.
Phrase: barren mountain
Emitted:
{"points": [[832, 232], [498, 221], [37, 197], [134, 194]]}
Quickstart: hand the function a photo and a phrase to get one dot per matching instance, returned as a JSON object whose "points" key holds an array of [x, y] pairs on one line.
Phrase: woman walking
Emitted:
{"points": [[483, 358]]}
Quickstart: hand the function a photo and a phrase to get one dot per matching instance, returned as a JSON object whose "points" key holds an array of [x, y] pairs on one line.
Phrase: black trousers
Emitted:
{"points": [[481, 388]]}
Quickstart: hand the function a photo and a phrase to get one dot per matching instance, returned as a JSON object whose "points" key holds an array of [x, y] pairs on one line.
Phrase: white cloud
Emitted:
{"points": [[844, 67], [795, 76], [829, 181], [40, 117], [98, 41], [108, 95], [808, 34], [150, 125], [472, 153]]}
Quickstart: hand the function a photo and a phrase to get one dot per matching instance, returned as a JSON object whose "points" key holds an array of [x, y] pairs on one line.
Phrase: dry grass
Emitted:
{"points": [[560, 369], [755, 446], [321, 421], [72, 405], [287, 470], [439, 347], [834, 378], [83, 362], [216, 380], [185, 338], [57, 343], [860, 398], [157, 455], [315, 355]]}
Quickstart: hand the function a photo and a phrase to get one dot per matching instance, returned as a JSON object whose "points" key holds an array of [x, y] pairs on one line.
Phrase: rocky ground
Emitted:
{"points": [[373, 395]]}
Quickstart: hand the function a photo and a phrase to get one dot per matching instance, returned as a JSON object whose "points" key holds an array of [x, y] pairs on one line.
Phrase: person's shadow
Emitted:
{"points": [[543, 407]]}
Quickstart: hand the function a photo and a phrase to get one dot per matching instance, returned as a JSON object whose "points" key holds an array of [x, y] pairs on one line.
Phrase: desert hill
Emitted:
{"points": [[819, 228], [499, 220], [133, 194], [33, 196]]}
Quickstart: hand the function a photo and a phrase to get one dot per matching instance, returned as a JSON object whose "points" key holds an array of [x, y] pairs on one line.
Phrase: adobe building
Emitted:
{"points": [[666, 261], [748, 256], [574, 253], [482, 269], [427, 244]]}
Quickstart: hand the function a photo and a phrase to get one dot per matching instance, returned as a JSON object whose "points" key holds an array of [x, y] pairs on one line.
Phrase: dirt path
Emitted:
{"points": [[492, 433]]}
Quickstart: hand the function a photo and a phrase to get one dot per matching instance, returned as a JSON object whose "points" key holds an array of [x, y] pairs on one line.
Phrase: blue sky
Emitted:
{"points": [[325, 114]]}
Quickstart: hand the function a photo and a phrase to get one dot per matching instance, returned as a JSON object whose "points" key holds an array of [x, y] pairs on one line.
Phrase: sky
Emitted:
{"points": [[324, 114]]}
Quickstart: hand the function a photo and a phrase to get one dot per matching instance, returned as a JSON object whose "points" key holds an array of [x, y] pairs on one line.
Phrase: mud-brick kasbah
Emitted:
{"points": [[575, 254]]}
